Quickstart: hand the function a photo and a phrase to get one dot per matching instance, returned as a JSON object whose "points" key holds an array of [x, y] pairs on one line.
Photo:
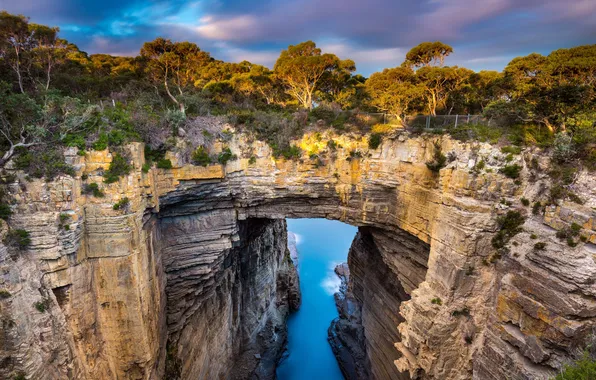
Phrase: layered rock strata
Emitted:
{"points": [[436, 300]]}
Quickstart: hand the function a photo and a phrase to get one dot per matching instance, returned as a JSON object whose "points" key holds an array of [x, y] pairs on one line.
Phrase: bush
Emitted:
{"points": [[201, 157], [42, 306], [525, 202], [332, 145], [164, 164], [540, 246], [509, 226], [439, 160], [536, 208], [511, 171], [4, 294], [374, 140], [118, 167], [511, 150], [225, 156], [19, 239], [465, 311], [5, 211], [252, 160], [436, 301], [146, 167], [291, 152], [121, 204], [583, 369], [93, 188]]}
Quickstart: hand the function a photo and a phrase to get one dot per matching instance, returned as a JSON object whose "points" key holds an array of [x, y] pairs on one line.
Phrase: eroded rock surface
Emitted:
{"points": [[172, 266]]}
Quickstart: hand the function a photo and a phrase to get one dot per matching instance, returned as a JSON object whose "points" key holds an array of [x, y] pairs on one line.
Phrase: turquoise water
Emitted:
{"points": [[322, 244]]}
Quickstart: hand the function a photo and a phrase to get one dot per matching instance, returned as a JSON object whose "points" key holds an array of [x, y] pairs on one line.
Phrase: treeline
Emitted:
{"points": [[51, 91]]}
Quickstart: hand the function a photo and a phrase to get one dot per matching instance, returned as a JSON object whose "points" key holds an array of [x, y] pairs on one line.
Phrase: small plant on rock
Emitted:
{"points": [[93, 189], [19, 239], [439, 159], [121, 204], [511, 171], [374, 140], [540, 246], [201, 157], [225, 156], [164, 164], [436, 301]]}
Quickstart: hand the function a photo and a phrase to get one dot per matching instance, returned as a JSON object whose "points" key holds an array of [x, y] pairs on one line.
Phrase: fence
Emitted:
{"points": [[443, 121]]}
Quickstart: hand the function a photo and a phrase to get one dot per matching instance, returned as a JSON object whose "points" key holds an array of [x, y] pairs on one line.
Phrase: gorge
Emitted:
{"points": [[193, 280]]}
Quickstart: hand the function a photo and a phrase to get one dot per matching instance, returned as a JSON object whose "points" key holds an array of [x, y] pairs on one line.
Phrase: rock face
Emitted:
{"points": [[192, 277]]}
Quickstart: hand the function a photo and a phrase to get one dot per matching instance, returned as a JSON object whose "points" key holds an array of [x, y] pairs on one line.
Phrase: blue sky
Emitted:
{"points": [[376, 34]]}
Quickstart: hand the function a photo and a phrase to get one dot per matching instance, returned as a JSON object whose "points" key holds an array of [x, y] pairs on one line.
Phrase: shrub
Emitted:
{"points": [[121, 204], [225, 156], [164, 164], [525, 202], [479, 166], [118, 167], [289, 153], [439, 160], [84, 177], [511, 150], [465, 311], [540, 246], [332, 145], [63, 217], [146, 167], [436, 301], [374, 140], [4, 294], [383, 128], [93, 188], [5, 211], [19, 239], [201, 157], [354, 154], [252, 160], [509, 226], [511, 171], [42, 306], [533, 236], [583, 369], [536, 208]]}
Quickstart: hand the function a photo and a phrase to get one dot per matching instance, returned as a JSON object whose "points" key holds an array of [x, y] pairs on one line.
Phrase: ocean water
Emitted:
{"points": [[322, 244]]}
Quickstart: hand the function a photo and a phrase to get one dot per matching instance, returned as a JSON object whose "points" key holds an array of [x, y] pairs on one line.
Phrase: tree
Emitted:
{"points": [[15, 40], [18, 116], [335, 81], [301, 67], [47, 49], [439, 83], [428, 54], [175, 63], [394, 90]]}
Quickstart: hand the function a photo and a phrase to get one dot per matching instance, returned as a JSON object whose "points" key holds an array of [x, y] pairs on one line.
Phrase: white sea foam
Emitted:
{"points": [[331, 283]]}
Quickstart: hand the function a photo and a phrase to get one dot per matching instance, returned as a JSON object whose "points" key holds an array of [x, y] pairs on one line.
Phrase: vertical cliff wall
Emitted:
{"points": [[101, 298]]}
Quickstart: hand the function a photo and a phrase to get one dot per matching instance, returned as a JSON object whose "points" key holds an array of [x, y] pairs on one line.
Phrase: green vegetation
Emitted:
{"points": [[43, 305], [540, 246], [118, 167], [374, 140], [525, 202], [225, 156], [463, 312], [4, 294], [509, 226], [252, 160], [436, 301], [439, 159], [582, 369], [53, 96], [511, 171], [5, 211], [164, 164], [18, 239], [121, 204], [93, 189]]}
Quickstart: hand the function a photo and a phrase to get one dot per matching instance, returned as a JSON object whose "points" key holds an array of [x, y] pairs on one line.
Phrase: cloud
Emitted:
{"points": [[375, 34]]}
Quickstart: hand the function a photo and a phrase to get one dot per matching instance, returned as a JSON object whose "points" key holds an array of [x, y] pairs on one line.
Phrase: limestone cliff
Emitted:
{"points": [[185, 266]]}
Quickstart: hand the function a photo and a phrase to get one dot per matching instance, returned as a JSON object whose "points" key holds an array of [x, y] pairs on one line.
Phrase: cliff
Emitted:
{"points": [[193, 264]]}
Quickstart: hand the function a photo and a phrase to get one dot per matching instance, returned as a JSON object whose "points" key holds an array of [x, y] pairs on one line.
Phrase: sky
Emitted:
{"points": [[376, 34]]}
